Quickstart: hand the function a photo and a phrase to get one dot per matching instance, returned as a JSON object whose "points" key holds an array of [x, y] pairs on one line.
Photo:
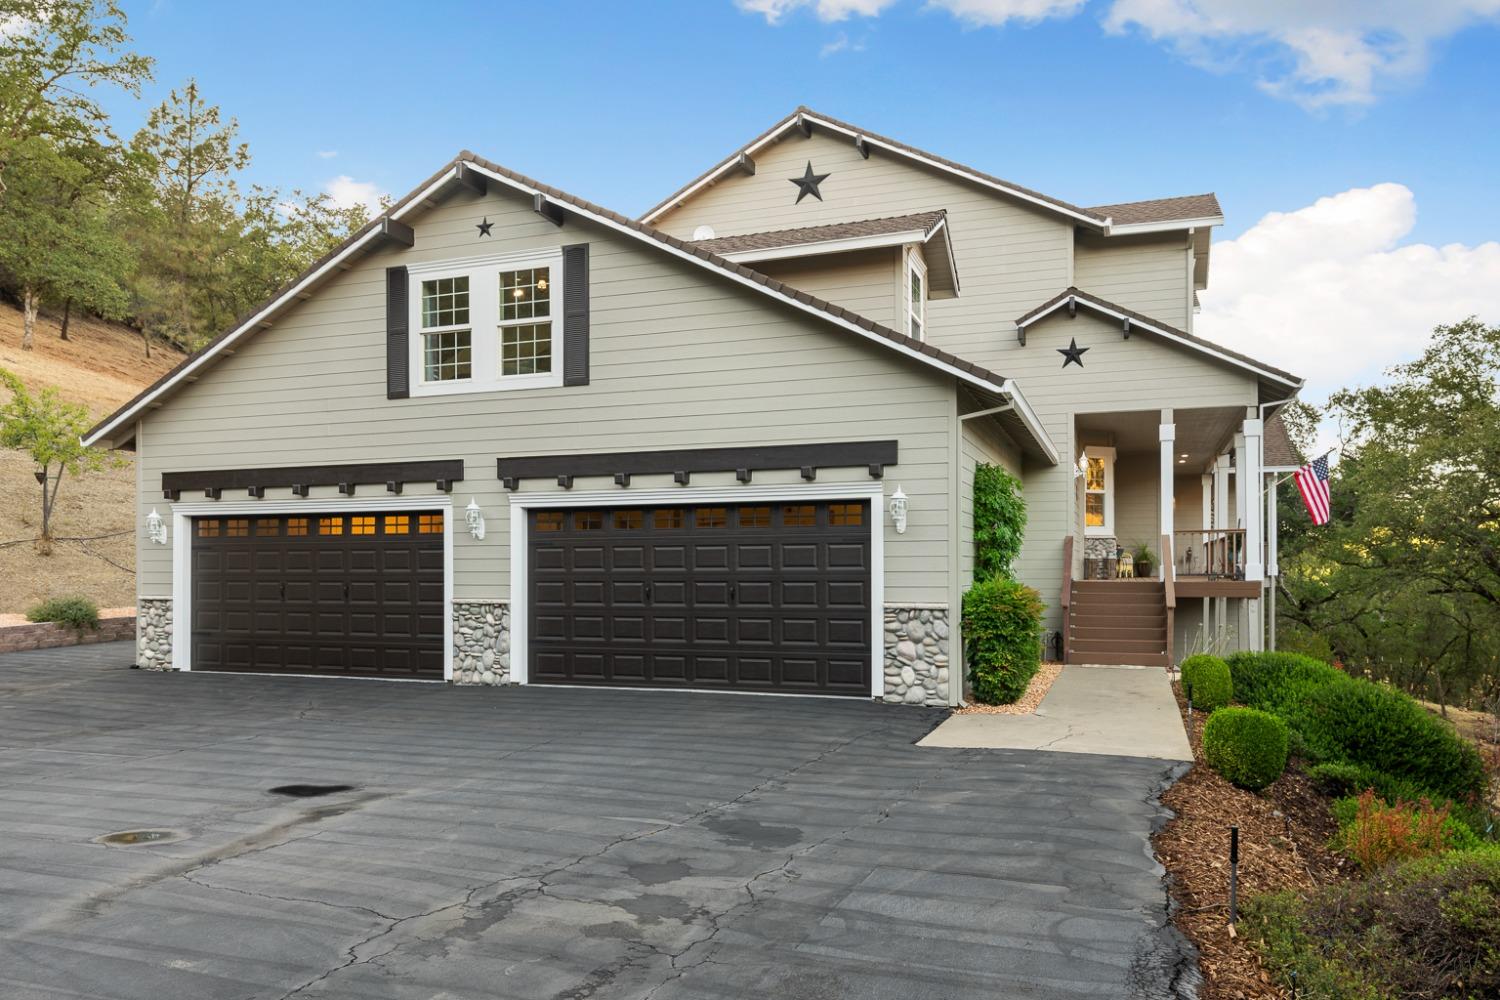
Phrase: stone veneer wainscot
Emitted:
{"points": [[153, 633], [481, 642], [916, 655]]}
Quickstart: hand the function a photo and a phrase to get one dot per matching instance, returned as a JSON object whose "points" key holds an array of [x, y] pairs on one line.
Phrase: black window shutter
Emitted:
{"points": [[397, 350], [576, 314]]}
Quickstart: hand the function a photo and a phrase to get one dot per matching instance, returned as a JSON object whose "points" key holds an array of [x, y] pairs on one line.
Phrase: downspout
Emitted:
{"points": [[957, 661]]}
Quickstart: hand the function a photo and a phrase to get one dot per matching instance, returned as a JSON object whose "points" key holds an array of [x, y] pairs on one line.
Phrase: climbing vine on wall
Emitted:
{"points": [[999, 521]]}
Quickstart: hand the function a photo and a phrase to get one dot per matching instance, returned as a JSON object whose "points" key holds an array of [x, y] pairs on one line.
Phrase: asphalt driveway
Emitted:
{"points": [[539, 842]]}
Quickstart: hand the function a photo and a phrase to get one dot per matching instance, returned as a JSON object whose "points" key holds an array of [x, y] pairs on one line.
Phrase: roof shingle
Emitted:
{"points": [[1188, 206], [777, 238]]}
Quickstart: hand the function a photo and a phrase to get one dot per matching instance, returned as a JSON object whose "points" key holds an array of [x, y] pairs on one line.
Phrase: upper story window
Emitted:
{"points": [[916, 295], [485, 324]]}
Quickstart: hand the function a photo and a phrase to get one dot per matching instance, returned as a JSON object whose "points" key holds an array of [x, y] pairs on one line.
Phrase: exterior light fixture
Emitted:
{"points": [[898, 510], [156, 528], [474, 518], [1082, 468]]}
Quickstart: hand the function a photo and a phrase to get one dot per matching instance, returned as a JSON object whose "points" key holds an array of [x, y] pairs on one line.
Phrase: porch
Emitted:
{"points": [[1168, 509]]}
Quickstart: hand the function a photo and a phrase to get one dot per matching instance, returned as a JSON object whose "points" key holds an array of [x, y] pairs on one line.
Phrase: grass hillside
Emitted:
{"points": [[101, 365]]}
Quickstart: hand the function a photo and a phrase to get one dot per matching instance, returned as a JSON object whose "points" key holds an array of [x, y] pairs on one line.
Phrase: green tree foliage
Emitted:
{"points": [[1405, 582], [1002, 629], [56, 240], [48, 429], [999, 520], [54, 53]]}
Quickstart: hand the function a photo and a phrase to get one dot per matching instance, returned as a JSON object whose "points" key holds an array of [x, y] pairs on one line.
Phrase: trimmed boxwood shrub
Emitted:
{"points": [[1002, 623], [74, 612], [1274, 681], [1246, 746], [1207, 679]]}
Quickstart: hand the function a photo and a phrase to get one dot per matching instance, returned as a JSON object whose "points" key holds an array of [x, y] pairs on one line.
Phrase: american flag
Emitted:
{"points": [[1312, 483]]}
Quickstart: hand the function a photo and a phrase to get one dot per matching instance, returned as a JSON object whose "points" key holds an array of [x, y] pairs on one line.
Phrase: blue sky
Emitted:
{"points": [[1089, 100]]}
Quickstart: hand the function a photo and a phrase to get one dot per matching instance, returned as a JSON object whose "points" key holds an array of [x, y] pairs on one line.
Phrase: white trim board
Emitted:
{"points": [[182, 555], [520, 503]]}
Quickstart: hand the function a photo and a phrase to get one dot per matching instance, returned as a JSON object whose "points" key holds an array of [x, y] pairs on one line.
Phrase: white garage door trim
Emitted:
{"points": [[521, 503], [182, 554]]}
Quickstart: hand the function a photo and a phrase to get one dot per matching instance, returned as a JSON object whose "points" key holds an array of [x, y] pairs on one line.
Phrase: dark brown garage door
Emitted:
{"points": [[358, 594], [772, 597]]}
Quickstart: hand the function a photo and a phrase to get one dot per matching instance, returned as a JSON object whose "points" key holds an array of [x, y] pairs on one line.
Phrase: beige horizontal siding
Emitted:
{"points": [[982, 442], [866, 282], [680, 358], [1147, 274]]}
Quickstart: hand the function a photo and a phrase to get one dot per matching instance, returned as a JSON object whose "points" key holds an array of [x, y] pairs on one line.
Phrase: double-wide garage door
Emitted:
{"points": [[357, 594], [760, 597]]}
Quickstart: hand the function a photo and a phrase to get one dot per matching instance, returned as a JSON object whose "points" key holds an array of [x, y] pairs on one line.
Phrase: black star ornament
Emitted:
{"points": [[808, 183], [1072, 354], [485, 226]]}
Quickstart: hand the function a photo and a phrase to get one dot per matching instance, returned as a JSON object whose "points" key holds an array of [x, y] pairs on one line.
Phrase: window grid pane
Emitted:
{"points": [[445, 302], [208, 529], [755, 517], [397, 524], [237, 527], [846, 514], [526, 349], [549, 520], [330, 525], [799, 516], [628, 520], [362, 525], [1094, 510], [296, 526], [711, 517], [588, 520], [267, 526], [525, 294], [429, 524], [666, 519], [446, 357]]}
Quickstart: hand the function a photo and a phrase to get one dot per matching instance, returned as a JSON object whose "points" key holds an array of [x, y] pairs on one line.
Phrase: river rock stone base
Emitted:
{"points": [[916, 656], [481, 642], [153, 633]]}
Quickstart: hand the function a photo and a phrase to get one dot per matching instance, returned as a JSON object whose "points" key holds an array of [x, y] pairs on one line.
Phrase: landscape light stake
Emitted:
{"points": [[1234, 874], [1189, 688]]}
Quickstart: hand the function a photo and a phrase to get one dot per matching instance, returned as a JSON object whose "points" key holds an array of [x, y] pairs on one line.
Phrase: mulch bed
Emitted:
{"points": [[1040, 684], [1284, 832]]}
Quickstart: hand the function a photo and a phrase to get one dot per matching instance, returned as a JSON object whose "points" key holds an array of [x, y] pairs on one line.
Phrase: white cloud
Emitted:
{"points": [[1319, 53], [827, 10], [327, 154], [1322, 53], [843, 43], [1332, 293], [346, 191], [994, 13]]}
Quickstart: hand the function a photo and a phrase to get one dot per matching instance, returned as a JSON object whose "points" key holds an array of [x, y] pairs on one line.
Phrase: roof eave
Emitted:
{"points": [[1164, 226]]}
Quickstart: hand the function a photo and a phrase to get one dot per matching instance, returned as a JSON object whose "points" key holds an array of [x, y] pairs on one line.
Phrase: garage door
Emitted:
{"points": [[772, 597], [357, 594]]}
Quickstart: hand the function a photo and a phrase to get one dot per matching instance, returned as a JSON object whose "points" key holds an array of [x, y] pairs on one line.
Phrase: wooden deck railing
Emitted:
{"points": [[1216, 553], [1067, 591]]}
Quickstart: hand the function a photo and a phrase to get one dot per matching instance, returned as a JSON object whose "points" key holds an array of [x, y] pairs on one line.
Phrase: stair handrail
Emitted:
{"points": [[1067, 592]]}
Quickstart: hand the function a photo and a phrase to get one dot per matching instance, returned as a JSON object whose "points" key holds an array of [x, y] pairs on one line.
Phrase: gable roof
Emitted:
{"points": [[1277, 450], [1202, 209], [545, 196], [927, 228], [1078, 297], [920, 222], [1097, 218]]}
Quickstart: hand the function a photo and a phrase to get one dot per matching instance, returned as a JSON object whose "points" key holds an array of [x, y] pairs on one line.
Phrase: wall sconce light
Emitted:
{"points": [[474, 518], [1082, 468], [898, 510], [156, 528]]}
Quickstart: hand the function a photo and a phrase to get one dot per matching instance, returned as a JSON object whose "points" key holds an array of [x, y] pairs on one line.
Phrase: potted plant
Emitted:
{"points": [[1144, 561]]}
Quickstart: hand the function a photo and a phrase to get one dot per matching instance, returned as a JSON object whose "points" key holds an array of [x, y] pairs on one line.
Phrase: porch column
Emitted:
{"points": [[1167, 435], [1273, 565], [1221, 521], [1248, 473]]}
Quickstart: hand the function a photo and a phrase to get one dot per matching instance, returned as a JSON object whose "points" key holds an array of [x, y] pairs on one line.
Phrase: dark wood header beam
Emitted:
{"points": [[345, 477], [743, 462], [397, 232]]}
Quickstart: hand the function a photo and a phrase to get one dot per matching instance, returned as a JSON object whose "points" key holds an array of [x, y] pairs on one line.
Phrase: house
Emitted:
{"points": [[505, 435]]}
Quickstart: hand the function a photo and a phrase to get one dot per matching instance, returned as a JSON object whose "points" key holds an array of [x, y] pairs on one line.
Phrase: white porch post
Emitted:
{"points": [[1167, 434], [1221, 521], [1249, 476], [1273, 564]]}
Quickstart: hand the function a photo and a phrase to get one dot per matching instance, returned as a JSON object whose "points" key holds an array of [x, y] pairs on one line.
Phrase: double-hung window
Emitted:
{"points": [[1098, 491], [916, 295], [447, 338], [486, 324]]}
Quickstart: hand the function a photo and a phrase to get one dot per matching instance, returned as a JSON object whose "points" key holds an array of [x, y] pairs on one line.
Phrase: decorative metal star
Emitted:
{"points": [[1072, 354], [485, 226], [808, 183]]}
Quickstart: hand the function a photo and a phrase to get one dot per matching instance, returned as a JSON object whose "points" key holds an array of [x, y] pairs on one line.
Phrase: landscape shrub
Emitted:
{"points": [[999, 520], [1273, 681], [1206, 678], [1344, 782], [1002, 623], [1426, 928], [74, 612], [1247, 746], [1379, 833]]}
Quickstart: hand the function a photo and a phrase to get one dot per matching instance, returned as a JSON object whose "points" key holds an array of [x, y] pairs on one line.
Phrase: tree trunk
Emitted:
{"points": [[30, 303], [47, 497], [67, 315], [146, 339]]}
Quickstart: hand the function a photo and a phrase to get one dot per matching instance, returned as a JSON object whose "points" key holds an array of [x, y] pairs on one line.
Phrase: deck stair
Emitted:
{"points": [[1119, 622]]}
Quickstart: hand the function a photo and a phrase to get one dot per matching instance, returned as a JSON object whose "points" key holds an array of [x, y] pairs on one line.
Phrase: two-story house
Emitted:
{"points": [[503, 434]]}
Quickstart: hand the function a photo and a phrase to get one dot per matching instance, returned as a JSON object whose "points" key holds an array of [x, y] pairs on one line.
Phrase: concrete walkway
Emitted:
{"points": [[1121, 711]]}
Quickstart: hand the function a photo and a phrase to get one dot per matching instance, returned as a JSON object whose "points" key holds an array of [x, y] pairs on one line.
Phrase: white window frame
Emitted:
{"points": [[915, 311], [423, 332], [1107, 455], [484, 322]]}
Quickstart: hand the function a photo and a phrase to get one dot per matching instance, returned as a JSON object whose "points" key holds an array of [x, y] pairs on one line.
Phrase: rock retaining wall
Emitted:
{"points": [[45, 635]]}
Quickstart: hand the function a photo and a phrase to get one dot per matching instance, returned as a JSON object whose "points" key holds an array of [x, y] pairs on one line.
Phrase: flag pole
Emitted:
{"points": [[1289, 475]]}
